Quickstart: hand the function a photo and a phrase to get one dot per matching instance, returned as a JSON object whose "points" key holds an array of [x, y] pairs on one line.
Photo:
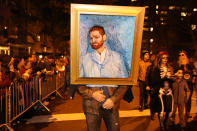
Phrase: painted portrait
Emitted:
{"points": [[119, 31], [104, 48]]}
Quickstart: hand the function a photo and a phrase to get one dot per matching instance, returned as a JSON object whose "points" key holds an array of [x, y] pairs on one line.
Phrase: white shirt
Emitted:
{"points": [[101, 56]]}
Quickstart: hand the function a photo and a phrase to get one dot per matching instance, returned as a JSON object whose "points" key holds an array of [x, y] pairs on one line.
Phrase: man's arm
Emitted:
{"points": [[85, 91], [88, 93], [117, 96], [119, 93]]}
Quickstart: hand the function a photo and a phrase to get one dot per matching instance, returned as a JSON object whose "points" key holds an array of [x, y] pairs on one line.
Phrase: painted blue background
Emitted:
{"points": [[119, 31]]}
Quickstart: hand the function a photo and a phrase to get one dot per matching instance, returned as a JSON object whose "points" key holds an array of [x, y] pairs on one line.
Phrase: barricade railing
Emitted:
{"points": [[22, 95], [60, 81]]}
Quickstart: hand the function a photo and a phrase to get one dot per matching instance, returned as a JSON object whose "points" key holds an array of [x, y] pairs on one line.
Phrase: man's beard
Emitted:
{"points": [[97, 45]]}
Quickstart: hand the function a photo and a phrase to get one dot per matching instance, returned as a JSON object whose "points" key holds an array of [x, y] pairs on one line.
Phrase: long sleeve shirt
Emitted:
{"points": [[180, 88], [142, 69]]}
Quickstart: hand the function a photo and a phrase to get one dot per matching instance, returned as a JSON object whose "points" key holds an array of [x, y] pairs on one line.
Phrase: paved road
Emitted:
{"points": [[68, 116]]}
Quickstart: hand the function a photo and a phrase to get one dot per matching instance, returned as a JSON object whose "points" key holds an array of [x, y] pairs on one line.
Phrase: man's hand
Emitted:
{"points": [[108, 104], [98, 95]]}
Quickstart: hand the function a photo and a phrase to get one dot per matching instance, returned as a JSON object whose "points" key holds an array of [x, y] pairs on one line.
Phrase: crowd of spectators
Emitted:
{"points": [[25, 68]]}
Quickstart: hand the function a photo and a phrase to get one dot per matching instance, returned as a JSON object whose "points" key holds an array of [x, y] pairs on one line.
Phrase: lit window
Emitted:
{"points": [[38, 38], [40, 56], [164, 12], [151, 29], [157, 12], [193, 27], [171, 7], [157, 7], [183, 14], [161, 18], [151, 40]]}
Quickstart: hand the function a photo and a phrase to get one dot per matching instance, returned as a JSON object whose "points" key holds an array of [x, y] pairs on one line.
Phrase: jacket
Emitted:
{"points": [[180, 89], [90, 105]]}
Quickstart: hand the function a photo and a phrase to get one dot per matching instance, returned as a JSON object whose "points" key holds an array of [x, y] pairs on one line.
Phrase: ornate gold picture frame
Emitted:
{"points": [[123, 28]]}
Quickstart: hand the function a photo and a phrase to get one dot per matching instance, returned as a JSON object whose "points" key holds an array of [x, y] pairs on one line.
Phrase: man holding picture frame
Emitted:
{"points": [[104, 69], [102, 101]]}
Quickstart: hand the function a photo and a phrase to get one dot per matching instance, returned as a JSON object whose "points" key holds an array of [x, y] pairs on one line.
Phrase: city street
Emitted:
{"points": [[67, 115]]}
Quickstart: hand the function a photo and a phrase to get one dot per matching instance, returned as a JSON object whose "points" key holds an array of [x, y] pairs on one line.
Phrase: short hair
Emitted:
{"points": [[98, 28]]}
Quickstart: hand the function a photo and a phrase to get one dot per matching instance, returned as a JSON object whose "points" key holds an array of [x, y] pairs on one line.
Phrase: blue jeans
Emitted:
{"points": [[111, 120]]}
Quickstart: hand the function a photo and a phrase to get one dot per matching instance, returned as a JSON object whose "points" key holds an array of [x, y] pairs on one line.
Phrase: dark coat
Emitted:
{"points": [[180, 89], [155, 82]]}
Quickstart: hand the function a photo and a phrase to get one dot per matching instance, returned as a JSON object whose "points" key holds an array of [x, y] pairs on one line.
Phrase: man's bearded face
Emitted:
{"points": [[96, 39]]}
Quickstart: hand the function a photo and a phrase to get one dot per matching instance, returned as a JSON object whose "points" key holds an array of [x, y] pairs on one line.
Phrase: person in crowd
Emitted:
{"points": [[49, 69], [4, 79], [34, 64], [12, 70], [188, 74], [28, 63], [38, 67], [61, 64], [101, 101], [195, 75], [167, 103], [154, 80], [4, 83], [143, 65], [180, 89], [21, 66]]}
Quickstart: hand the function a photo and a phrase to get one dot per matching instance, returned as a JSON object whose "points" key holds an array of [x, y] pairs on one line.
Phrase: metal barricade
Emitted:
{"points": [[60, 80], [3, 105], [4, 109], [48, 86], [22, 95]]}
